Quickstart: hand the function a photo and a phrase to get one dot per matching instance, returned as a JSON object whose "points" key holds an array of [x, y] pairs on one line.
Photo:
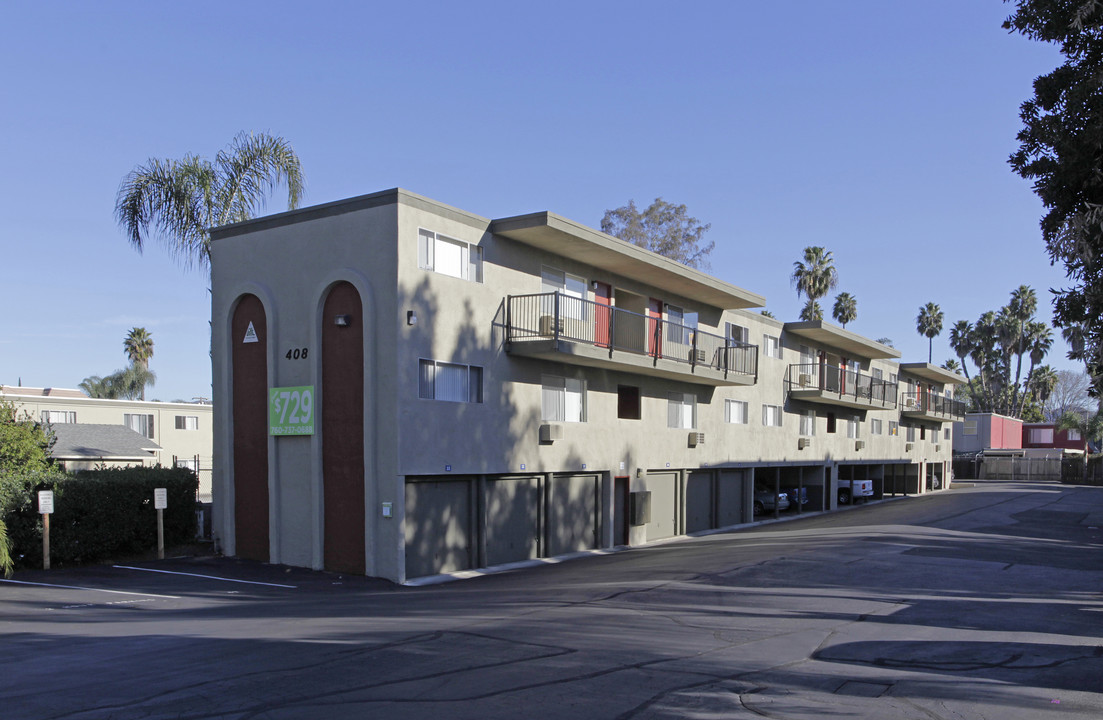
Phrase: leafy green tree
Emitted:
{"points": [[886, 341], [1089, 425], [662, 228], [1042, 384], [177, 201], [814, 277], [766, 313], [846, 308], [929, 325], [1060, 154], [24, 444]]}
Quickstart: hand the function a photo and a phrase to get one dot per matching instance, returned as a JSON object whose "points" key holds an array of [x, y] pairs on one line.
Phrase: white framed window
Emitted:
{"points": [[911, 433], [681, 410], [54, 417], [451, 382], [1040, 436], [853, 427], [877, 373], [739, 334], [808, 423], [1073, 434], [141, 424], [189, 463], [680, 325], [946, 434], [735, 411], [892, 379], [894, 428], [771, 415], [572, 291], [771, 346], [970, 427], [875, 426], [449, 256], [562, 399], [187, 422]]}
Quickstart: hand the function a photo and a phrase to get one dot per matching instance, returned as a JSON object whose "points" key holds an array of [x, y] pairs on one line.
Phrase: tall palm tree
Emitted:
{"points": [[1040, 339], [952, 365], [846, 308], [138, 346], [1042, 385], [1023, 303], [182, 199], [815, 276], [961, 341], [929, 324], [811, 311]]}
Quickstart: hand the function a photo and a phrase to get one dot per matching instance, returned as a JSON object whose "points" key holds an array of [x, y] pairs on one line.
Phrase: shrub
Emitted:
{"points": [[97, 513]]}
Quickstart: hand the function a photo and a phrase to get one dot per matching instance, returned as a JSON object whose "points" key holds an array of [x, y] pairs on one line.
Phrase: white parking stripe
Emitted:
{"points": [[209, 577], [90, 589]]}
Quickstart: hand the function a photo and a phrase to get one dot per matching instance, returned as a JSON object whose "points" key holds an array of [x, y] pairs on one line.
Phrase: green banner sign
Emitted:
{"points": [[291, 410]]}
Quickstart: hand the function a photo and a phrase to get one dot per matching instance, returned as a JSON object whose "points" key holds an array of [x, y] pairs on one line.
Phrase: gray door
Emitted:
{"points": [[512, 519]]}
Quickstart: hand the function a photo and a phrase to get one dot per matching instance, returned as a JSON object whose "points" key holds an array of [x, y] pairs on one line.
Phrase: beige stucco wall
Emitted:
{"points": [[289, 261]]}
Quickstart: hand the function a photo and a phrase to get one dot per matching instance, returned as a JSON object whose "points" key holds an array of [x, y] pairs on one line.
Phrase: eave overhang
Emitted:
{"points": [[828, 335], [934, 373], [555, 234]]}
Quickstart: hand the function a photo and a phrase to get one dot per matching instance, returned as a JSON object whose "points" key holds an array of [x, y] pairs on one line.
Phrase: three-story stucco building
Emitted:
{"points": [[403, 388]]}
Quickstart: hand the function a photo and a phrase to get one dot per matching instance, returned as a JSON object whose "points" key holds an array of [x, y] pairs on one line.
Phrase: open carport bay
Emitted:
{"points": [[980, 602]]}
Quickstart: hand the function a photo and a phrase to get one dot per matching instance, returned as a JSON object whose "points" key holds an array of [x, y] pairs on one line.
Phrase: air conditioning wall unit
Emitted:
{"points": [[804, 379], [908, 447], [909, 402], [549, 325], [859, 444], [697, 356], [804, 442], [550, 433], [696, 438], [937, 448]]}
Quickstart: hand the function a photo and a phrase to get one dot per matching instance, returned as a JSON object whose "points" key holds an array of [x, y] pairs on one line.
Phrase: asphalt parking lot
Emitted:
{"points": [[980, 602]]}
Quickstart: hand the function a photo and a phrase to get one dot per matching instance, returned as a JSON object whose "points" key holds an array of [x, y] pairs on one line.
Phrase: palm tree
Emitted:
{"points": [[96, 387], [961, 342], [811, 311], [1040, 339], [887, 341], [929, 324], [127, 384], [182, 199], [1042, 384], [815, 277], [952, 365], [138, 346], [846, 308]]}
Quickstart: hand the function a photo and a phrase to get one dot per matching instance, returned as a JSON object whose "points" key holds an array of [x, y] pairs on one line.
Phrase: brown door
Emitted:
{"points": [[654, 327], [343, 431], [603, 313], [250, 413]]}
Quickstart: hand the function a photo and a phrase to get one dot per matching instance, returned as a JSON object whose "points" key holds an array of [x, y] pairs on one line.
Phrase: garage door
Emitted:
{"points": [[438, 526], [572, 513], [512, 519], [664, 505]]}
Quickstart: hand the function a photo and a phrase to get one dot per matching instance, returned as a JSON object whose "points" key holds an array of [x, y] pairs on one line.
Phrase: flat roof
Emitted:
{"points": [[556, 234], [836, 337], [933, 373]]}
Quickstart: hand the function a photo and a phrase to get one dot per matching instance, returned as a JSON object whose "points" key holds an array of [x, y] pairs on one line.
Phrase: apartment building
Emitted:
{"points": [[176, 434], [403, 388]]}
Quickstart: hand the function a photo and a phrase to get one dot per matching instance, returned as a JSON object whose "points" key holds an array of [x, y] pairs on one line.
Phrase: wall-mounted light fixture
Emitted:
{"points": [[411, 317], [342, 320]]}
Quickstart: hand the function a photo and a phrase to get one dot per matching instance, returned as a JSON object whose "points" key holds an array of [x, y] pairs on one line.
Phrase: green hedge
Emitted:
{"points": [[98, 514]]}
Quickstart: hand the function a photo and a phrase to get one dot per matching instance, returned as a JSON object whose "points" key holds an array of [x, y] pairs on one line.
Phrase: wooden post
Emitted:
{"points": [[45, 541]]}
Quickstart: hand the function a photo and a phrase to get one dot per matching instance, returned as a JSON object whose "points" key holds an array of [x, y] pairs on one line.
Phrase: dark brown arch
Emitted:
{"points": [[343, 430], [250, 417]]}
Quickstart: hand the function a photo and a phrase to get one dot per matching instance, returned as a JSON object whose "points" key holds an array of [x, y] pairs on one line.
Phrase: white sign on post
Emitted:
{"points": [[45, 502], [160, 498]]}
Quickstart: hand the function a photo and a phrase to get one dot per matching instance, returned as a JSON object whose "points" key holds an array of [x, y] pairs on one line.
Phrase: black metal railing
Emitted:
{"points": [[841, 382], [931, 404], [559, 317]]}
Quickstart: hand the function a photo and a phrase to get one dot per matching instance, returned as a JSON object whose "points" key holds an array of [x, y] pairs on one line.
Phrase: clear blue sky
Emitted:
{"points": [[877, 128]]}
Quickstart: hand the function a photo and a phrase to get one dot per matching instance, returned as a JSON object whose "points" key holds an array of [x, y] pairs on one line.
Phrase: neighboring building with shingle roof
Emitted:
{"points": [[82, 446]]}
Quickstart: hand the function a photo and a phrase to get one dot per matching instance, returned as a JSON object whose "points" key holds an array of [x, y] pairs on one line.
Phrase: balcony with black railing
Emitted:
{"points": [[931, 406], [569, 329], [832, 385]]}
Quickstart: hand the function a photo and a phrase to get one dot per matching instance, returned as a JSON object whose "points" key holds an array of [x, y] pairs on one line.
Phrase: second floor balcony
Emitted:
{"points": [[569, 329], [931, 406], [832, 385]]}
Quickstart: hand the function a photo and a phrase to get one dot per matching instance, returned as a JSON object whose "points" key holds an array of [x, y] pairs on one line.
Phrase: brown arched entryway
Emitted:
{"points": [[250, 416], [343, 430]]}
